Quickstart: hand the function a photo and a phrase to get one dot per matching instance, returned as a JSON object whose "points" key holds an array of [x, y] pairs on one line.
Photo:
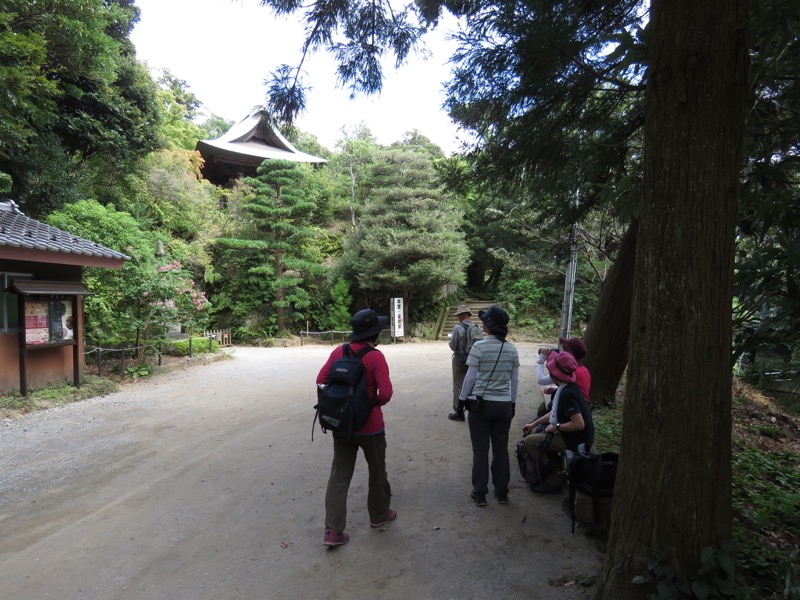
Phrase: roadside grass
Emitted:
{"points": [[765, 488], [14, 404]]}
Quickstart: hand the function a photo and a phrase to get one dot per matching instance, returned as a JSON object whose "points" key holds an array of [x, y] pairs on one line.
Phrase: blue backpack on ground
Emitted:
{"points": [[343, 402]]}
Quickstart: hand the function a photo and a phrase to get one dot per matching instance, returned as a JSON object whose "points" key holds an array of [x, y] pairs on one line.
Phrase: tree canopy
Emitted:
{"points": [[74, 94]]}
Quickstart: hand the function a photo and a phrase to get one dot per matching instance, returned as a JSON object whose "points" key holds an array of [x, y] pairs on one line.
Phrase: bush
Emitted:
{"points": [[200, 345]]}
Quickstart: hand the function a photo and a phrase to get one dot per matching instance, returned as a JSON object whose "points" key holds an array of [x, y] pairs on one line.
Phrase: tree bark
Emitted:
{"points": [[609, 328], [280, 295], [673, 489]]}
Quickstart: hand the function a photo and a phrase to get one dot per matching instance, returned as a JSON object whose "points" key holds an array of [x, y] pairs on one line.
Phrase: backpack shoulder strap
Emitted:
{"points": [[361, 353], [571, 475]]}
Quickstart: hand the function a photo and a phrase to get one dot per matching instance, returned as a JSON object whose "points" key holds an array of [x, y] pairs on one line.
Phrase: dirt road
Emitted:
{"points": [[203, 483]]}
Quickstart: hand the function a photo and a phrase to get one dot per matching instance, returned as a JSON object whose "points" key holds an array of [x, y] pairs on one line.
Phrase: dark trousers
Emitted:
{"points": [[345, 453], [490, 428], [459, 372]]}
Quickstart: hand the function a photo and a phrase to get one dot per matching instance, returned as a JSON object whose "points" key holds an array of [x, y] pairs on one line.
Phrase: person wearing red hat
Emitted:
{"points": [[576, 347], [568, 423]]}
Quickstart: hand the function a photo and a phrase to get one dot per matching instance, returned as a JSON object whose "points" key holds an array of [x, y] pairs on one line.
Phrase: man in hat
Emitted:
{"points": [[461, 339], [371, 438]]}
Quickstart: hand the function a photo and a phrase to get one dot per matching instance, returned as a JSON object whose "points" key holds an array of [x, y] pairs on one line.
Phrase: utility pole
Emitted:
{"points": [[569, 280], [569, 288]]}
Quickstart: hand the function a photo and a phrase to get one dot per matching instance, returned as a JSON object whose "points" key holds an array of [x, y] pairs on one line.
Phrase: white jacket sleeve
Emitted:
{"points": [[514, 383], [469, 383], [542, 375]]}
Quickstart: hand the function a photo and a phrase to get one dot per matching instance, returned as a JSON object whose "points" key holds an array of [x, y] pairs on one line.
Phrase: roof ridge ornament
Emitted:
{"points": [[11, 206]]}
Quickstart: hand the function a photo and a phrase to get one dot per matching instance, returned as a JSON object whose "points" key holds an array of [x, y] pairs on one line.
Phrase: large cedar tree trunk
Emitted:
{"points": [[674, 483], [607, 334]]}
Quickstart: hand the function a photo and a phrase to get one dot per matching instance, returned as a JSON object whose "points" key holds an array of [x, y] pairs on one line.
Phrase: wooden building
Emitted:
{"points": [[240, 150], [41, 313]]}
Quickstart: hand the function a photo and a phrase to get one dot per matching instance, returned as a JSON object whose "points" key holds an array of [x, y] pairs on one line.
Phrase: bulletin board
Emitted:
{"points": [[49, 321]]}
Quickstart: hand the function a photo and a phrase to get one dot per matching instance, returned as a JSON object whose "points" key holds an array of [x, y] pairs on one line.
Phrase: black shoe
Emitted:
{"points": [[502, 497], [456, 416], [546, 488], [479, 499]]}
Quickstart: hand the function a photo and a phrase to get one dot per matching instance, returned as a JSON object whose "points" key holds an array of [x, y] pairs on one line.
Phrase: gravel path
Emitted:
{"points": [[203, 483]]}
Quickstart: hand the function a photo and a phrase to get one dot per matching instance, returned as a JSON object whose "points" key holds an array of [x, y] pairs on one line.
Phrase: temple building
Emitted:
{"points": [[239, 151]]}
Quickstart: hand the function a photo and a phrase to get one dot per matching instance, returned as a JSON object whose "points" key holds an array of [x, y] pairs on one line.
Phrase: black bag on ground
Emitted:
{"points": [[590, 479], [343, 403], [534, 472]]}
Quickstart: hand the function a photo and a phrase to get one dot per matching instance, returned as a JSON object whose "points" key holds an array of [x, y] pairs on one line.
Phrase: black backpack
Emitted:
{"points": [[592, 475], [343, 403]]}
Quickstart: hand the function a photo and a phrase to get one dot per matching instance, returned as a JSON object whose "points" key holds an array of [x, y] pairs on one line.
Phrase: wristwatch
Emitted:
{"points": [[558, 426]]}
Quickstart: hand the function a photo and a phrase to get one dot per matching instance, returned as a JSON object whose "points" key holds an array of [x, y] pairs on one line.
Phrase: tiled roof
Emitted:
{"points": [[19, 231], [253, 137]]}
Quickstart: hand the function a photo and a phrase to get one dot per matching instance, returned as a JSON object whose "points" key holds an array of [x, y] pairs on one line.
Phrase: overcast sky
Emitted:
{"points": [[225, 49]]}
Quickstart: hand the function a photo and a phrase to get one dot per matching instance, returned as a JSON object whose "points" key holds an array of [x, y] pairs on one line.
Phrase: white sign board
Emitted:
{"points": [[397, 317]]}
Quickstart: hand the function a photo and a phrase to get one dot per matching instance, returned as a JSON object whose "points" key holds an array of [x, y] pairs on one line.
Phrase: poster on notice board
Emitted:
{"points": [[48, 321]]}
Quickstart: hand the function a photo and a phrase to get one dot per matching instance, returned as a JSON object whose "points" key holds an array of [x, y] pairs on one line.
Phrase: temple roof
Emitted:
{"points": [[240, 150], [23, 238]]}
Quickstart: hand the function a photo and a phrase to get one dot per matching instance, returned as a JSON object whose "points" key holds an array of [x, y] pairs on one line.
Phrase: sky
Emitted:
{"points": [[225, 49]]}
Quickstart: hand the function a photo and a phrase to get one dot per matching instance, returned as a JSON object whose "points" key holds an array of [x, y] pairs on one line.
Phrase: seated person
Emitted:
{"points": [[569, 420], [576, 347]]}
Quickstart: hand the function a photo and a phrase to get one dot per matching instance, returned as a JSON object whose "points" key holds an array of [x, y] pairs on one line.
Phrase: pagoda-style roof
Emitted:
{"points": [[23, 238], [240, 150]]}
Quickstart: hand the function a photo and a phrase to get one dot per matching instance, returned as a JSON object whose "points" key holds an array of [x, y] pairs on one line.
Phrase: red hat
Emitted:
{"points": [[561, 366], [575, 346]]}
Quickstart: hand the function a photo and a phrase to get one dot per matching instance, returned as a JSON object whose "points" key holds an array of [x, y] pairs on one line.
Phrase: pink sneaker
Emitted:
{"points": [[390, 516], [335, 538]]}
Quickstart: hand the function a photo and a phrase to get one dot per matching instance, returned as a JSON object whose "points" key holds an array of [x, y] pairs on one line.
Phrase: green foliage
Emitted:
{"points": [[338, 317], [73, 90], [767, 278], [200, 345], [170, 299], [181, 127], [607, 428], [147, 294], [115, 292], [715, 579], [167, 194], [137, 372], [766, 494], [407, 241], [373, 28], [529, 304], [274, 242]]}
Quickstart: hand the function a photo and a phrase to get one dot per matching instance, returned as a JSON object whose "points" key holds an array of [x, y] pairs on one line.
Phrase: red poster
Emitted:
{"points": [[35, 321]]}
